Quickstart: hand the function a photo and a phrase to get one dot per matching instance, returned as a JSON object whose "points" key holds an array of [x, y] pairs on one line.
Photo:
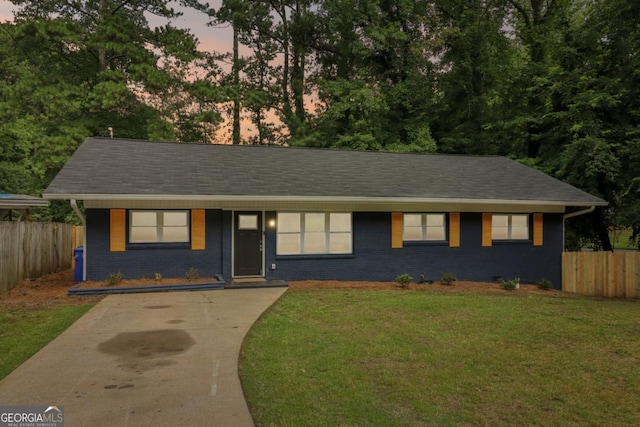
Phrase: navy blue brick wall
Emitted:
{"points": [[374, 259], [146, 260]]}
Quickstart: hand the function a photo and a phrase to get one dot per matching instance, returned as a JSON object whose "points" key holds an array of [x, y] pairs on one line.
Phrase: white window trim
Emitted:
{"points": [[327, 234], [424, 231], [510, 227], [159, 226]]}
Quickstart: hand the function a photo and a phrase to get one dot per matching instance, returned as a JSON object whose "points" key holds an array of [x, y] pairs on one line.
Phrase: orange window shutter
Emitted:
{"points": [[197, 230], [538, 232], [487, 237], [118, 230], [454, 229], [396, 230]]}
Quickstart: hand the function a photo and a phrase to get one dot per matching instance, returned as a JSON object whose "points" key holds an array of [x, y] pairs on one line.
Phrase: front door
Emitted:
{"points": [[247, 253]]}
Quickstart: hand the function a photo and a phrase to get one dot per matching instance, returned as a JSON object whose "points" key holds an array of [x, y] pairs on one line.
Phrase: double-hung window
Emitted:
{"points": [[424, 227], [314, 233], [510, 227], [158, 226]]}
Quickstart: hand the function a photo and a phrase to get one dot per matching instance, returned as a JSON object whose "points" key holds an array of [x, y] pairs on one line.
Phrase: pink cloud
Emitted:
{"points": [[6, 10]]}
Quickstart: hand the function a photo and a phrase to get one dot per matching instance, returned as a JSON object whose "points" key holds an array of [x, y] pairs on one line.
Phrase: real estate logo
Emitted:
{"points": [[31, 416]]}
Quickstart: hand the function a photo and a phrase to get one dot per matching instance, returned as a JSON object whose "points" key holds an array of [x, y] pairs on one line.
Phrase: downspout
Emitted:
{"points": [[572, 215], [76, 209], [83, 219]]}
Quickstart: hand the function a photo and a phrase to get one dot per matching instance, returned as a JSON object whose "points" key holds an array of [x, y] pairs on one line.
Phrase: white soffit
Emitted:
{"points": [[363, 205]]}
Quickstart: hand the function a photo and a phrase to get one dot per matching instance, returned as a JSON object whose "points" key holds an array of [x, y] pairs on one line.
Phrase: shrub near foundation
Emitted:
{"points": [[510, 285], [192, 274], [545, 284], [448, 278], [114, 278], [404, 280]]}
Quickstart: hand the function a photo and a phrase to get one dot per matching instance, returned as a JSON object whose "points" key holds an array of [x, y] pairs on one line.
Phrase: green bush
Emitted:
{"points": [[449, 278], [192, 274], [114, 278], [404, 280], [510, 285], [545, 284]]}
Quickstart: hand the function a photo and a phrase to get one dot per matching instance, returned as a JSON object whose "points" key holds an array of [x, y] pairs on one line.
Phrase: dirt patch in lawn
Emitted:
{"points": [[52, 290], [46, 291]]}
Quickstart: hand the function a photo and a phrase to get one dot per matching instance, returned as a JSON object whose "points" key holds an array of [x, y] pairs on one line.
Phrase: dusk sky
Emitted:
{"points": [[218, 39], [5, 10]]}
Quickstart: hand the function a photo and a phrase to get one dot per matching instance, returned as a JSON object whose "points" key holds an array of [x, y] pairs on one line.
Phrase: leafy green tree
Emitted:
{"points": [[375, 76], [540, 31], [594, 113], [276, 32], [108, 58], [475, 62], [76, 69]]}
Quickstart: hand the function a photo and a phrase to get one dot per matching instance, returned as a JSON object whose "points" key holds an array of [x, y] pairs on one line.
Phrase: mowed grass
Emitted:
{"points": [[24, 332], [411, 358], [621, 239]]}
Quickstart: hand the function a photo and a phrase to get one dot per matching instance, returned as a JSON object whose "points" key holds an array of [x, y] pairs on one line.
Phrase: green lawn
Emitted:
{"points": [[24, 332], [411, 358], [621, 239]]}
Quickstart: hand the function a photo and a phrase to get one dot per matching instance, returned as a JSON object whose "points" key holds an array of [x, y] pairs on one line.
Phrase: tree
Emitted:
{"points": [[540, 28], [594, 113], [374, 76], [110, 54], [275, 33], [475, 63], [76, 69]]}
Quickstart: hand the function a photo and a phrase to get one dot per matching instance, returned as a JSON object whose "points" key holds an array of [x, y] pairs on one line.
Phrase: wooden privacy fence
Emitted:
{"points": [[604, 274], [77, 239], [29, 250]]}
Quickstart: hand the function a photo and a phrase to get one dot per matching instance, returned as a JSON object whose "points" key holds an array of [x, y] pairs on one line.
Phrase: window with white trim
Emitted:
{"points": [[510, 227], [424, 227], [158, 226], [314, 233]]}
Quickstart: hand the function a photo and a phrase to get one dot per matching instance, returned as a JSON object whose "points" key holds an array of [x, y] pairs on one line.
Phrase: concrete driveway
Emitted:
{"points": [[147, 360]]}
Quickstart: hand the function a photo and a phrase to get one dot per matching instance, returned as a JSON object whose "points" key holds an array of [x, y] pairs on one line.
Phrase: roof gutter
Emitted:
{"points": [[578, 213], [23, 203], [313, 199], [76, 209]]}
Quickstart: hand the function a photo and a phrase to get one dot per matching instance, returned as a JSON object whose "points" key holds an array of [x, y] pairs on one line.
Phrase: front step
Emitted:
{"points": [[255, 283]]}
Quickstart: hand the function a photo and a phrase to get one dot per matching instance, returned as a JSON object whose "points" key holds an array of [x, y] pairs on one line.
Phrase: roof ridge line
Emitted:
{"points": [[297, 147]]}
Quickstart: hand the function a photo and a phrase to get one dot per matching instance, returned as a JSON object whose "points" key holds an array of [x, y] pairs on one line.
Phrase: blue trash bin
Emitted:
{"points": [[78, 255]]}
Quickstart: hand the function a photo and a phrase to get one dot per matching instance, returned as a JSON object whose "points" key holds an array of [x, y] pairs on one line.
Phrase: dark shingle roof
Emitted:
{"points": [[121, 167]]}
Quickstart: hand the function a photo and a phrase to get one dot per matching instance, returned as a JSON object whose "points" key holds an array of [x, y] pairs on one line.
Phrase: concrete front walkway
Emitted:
{"points": [[163, 359]]}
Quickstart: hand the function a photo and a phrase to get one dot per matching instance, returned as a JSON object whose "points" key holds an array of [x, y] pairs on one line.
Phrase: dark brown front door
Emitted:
{"points": [[247, 244]]}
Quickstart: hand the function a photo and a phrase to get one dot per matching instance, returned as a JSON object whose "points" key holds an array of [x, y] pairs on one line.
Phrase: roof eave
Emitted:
{"points": [[23, 204], [319, 199]]}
